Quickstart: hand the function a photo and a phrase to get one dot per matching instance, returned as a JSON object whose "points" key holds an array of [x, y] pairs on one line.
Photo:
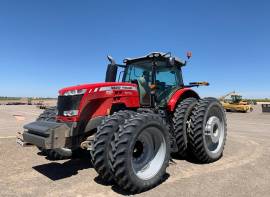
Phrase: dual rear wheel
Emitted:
{"points": [[200, 129], [208, 130]]}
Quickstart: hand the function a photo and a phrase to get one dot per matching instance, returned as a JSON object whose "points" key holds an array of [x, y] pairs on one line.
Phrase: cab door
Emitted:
{"points": [[167, 81]]}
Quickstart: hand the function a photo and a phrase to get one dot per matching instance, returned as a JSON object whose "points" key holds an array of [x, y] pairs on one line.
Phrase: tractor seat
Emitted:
{"points": [[144, 90]]}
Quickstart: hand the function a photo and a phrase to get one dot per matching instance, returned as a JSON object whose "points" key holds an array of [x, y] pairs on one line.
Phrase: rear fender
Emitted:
{"points": [[180, 95]]}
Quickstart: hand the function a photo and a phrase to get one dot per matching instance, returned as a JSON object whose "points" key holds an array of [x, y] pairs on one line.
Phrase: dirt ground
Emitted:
{"points": [[244, 170]]}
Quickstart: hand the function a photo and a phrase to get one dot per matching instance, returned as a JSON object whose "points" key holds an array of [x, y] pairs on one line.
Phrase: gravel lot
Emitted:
{"points": [[244, 170]]}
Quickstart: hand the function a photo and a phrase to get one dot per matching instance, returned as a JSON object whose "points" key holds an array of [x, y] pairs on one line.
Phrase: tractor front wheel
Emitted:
{"points": [[142, 152], [102, 152]]}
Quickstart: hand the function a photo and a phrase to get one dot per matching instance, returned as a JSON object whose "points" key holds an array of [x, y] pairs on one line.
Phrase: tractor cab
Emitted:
{"points": [[236, 98], [157, 76]]}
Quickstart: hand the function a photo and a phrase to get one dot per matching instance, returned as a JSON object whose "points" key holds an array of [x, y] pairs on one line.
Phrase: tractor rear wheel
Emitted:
{"points": [[182, 124], [53, 154], [208, 130], [102, 152], [142, 152]]}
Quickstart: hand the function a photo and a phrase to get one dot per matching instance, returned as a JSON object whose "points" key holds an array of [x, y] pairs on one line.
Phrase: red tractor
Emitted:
{"points": [[131, 127]]}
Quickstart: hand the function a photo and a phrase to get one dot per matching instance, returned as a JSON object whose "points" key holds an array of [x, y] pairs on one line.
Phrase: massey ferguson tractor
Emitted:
{"points": [[133, 122]]}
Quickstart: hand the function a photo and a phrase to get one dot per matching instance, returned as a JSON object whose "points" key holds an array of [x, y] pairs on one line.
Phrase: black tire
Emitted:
{"points": [[53, 154], [48, 115], [102, 152], [56, 154], [208, 130], [181, 116], [127, 157]]}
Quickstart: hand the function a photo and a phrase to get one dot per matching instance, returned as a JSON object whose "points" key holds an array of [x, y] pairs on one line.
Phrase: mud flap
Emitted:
{"points": [[47, 135]]}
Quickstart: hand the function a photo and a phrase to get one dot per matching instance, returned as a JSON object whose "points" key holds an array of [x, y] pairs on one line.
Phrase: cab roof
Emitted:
{"points": [[157, 56]]}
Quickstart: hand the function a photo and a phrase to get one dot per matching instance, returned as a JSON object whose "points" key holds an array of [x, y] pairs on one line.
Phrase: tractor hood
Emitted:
{"points": [[97, 86]]}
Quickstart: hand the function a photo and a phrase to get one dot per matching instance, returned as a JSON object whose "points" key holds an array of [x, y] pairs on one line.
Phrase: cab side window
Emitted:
{"points": [[166, 81], [167, 78]]}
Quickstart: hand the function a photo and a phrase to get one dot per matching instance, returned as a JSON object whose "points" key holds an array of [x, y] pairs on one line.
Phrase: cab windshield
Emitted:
{"points": [[135, 72], [170, 76]]}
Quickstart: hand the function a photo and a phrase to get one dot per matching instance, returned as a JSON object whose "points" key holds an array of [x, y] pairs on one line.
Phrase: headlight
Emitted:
{"points": [[71, 113], [74, 92]]}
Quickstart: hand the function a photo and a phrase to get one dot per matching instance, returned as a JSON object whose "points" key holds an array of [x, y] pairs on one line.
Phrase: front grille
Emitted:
{"points": [[67, 103]]}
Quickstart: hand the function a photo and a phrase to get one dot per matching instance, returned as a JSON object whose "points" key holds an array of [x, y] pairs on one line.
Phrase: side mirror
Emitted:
{"points": [[172, 60]]}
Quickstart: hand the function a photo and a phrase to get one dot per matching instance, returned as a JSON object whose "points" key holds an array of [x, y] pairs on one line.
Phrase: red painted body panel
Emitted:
{"points": [[100, 97], [177, 96], [94, 85]]}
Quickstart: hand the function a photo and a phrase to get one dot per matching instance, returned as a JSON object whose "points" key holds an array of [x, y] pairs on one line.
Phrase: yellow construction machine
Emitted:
{"points": [[235, 103]]}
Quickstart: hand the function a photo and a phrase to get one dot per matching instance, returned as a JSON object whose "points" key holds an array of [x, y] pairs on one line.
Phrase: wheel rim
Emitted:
{"points": [[214, 134], [149, 153]]}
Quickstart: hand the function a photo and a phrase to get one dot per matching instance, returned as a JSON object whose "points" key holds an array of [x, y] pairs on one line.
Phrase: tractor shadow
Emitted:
{"points": [[189, 158], [56, 171]]}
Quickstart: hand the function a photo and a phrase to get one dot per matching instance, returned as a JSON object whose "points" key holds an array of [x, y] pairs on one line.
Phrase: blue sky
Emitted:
{"points": [[47, 45]]}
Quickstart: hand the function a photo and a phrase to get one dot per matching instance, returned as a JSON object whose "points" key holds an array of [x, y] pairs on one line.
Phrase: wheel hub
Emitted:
{"points": [[214, 133], [213, 128], [148, 153], [138, 150]]}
